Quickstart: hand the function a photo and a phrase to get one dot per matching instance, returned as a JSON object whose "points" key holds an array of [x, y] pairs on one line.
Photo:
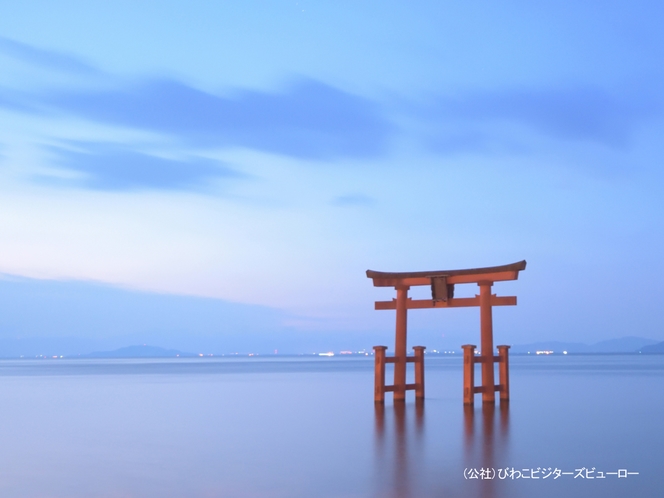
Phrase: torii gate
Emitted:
{"points": [[442, 296]]}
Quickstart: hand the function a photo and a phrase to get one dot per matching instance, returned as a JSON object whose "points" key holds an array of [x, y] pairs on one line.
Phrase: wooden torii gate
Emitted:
{"points": [[442, 296]]}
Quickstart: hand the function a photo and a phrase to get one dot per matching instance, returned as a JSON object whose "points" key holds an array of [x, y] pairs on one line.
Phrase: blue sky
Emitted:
{"points": [[244, 164]]}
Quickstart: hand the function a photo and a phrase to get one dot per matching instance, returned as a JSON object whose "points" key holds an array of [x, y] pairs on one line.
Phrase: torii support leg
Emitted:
{"points": [[400, 351], [486, 344], [419, 372], [379, 373], [504, 373], [468, 374], [469, 360]]}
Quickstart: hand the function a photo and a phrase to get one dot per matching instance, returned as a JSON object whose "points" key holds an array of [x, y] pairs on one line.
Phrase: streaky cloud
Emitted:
{"points": [[112, 167], [70, 317], [47, 59], [18, 101], [571, 113], [74, 316], [353, 200], [308, 120], [459, 142]]}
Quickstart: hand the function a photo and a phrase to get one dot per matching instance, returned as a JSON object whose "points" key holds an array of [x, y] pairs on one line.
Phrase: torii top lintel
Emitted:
{"points": [[466, 276]]}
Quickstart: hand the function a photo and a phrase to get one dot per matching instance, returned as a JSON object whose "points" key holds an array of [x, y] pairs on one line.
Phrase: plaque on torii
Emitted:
{"points": [[442, 285]]}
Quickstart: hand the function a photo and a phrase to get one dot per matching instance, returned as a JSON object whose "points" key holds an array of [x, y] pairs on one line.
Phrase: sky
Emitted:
{"points": [[218, 176]]}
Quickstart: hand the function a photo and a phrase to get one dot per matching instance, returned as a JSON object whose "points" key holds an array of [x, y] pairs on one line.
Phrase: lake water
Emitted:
{"points": [[308, 427]]}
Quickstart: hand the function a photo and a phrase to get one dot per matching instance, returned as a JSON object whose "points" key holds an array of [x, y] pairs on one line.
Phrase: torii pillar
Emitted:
{"points": [[442, 296]]}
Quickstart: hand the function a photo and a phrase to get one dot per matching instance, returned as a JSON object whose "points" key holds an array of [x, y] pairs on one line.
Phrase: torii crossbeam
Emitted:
{"points": [[442, 296]]}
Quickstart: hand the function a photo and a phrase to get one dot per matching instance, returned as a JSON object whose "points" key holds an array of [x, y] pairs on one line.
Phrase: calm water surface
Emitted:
{"points": [[308, 427]]}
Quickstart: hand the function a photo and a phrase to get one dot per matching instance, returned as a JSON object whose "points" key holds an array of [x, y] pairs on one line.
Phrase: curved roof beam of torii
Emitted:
{"points": [[470, 275]]}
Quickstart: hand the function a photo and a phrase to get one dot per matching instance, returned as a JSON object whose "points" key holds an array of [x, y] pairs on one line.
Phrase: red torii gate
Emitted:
{"points": [[442, 296]]}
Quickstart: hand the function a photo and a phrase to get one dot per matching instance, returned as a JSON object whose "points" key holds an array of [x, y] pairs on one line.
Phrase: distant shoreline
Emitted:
{"points": [[298, 355]]}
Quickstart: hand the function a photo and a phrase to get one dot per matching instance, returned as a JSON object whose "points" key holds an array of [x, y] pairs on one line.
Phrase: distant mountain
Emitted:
{"points": [[653, 348], [622, 345], [138, 352]]}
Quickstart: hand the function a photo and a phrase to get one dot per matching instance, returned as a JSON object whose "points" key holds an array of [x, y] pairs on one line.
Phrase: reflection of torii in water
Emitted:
{"points": [[442, 296]]}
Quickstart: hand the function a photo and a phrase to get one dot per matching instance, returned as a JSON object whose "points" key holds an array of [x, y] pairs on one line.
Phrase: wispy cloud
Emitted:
{"points": [[313, 120], [74, 314], [17, 101], [106, 167], [47, 59], [574, 113], [310, 119], [353, 200]]}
